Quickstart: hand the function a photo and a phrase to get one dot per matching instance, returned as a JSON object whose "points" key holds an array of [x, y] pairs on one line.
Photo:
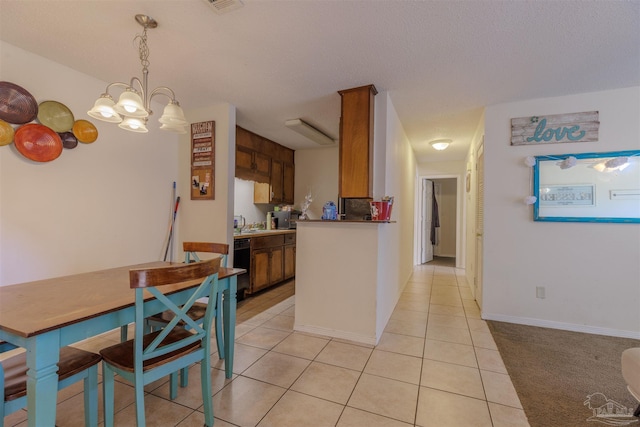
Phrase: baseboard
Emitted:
{"points": [[349, 336], [560, 325]]}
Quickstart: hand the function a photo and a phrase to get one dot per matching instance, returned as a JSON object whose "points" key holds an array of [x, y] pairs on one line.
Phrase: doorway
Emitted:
{"points": [[439, 245]]}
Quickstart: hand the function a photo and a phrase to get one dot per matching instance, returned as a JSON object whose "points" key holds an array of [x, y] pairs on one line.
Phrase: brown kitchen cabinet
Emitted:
{"points": [[267, 268], [280, 189], [355, 173], [267, 163], [251, 163], [270, 261], [289, 256], [288, 185]]}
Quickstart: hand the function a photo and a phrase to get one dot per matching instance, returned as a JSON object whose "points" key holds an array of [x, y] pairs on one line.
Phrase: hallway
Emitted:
{"points": [[435, 365]]}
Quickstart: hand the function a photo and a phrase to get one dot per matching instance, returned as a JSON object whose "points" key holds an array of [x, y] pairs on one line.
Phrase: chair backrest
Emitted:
{"points": [[191, 250], [151, 280]]}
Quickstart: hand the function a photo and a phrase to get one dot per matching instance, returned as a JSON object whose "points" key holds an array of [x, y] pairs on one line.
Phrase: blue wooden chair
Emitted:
{"points": [[149, 357], [197, 312], [74, 365]]}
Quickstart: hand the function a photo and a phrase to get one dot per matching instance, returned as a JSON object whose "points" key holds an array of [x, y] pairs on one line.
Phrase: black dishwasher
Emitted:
{"points": [[242, 259]]}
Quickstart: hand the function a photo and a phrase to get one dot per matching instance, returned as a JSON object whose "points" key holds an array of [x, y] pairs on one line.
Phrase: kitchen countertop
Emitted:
{"points": [[351, 221], [259, 233]]}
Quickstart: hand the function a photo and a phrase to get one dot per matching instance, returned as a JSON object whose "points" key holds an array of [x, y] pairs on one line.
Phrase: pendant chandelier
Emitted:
{"points": [[133, 108]]}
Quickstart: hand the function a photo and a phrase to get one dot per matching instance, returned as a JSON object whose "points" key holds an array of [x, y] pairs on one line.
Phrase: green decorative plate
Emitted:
{"points": [[56, 116]]}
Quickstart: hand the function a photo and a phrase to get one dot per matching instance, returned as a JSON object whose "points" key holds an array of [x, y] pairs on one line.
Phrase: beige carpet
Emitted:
{"points": [[555, 371]]}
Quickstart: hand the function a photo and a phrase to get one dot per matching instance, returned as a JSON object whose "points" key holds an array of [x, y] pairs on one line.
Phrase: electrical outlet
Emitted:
{"points": [[540, 292]]}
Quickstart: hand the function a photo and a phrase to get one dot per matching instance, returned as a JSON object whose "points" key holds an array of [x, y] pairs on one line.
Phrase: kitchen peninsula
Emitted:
{"points": [[343, 284]]}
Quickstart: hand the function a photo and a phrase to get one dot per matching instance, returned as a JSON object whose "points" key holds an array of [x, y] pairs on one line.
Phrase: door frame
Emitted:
{"points": [[461, 208]]}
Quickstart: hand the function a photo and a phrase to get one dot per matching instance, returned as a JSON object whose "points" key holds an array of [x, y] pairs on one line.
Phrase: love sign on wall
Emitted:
{"points": [[557, 128]]}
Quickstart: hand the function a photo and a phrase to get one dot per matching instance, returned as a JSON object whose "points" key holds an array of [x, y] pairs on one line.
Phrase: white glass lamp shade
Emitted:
{"points": [[103, 110], [130, 104], [133, 124], [174, 128], [440, 144], [173, 115]]}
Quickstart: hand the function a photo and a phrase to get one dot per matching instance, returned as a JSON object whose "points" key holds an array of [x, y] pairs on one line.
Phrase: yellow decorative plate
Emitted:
{"points": [[6, 133], [85, 131]]}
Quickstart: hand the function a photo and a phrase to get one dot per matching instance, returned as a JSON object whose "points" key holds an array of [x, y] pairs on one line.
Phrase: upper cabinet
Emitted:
{"points": [[252, 163], [267, 163], [356, 142]]}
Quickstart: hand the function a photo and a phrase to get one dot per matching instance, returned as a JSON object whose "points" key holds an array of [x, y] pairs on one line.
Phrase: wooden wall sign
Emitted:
{"points": [[573, 127], [203, 160]]}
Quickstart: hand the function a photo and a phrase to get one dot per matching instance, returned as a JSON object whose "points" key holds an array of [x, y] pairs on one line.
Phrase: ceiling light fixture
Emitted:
{"points": [[440, 144], [305, 129], [134, 105]]}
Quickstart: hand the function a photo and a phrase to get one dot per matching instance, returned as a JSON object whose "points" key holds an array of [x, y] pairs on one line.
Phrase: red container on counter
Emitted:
{"points": [[381, 211]]}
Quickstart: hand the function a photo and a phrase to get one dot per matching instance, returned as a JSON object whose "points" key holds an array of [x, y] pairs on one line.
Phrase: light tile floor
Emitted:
{"points": [[435, 365]]}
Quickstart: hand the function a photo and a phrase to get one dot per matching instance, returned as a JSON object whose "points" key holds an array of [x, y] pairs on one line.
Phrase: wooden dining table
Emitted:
{"points": [[46, 315]]}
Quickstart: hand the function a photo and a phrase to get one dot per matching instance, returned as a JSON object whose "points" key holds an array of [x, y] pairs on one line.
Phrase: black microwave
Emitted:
{"points": [[286, 219]]}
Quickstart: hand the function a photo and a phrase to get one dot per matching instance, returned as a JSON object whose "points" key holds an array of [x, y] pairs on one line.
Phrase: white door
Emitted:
{"points": [[479, 223], [427, 217]]}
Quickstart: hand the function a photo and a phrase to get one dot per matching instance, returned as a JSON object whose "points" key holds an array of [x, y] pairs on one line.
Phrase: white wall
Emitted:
{"points": [[99, 205], [243, 203], [209, 220], [396, 240], [316, 172], [590, 271]]}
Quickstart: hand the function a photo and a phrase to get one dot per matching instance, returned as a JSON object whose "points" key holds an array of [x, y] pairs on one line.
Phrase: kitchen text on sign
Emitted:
{"points": [[203, 160]]}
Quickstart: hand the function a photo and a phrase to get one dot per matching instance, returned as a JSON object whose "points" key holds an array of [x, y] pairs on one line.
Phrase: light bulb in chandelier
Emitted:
{"points": [[133, 124], [130, 104], [103, 110]]}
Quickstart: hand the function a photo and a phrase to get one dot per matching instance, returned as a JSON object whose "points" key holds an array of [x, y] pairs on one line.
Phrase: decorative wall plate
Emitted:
{"points": [[69, 140], [17, 105], [6, 133], [38, 142], [85, 131], [55, 115]]}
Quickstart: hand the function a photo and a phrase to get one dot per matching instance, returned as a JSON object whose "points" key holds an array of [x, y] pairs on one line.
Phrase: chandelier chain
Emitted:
{"points": [[143, 49]]}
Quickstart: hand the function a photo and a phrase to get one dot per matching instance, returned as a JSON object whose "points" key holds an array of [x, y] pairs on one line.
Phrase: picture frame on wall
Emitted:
{"points": [[203, 160]]}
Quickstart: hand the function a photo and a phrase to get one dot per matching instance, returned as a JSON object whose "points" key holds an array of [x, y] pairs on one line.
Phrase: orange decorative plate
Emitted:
{"points": [[38, 143], [85, 131], [6, 133], [55, 115]]}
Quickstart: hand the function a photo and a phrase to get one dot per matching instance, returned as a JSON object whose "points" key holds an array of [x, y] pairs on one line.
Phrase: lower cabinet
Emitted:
{"points": [[272, 261], [290, 256]]}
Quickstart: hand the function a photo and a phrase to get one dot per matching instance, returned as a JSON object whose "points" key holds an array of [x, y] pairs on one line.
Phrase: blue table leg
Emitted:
{"points": [[229, 312], [43, 354]]}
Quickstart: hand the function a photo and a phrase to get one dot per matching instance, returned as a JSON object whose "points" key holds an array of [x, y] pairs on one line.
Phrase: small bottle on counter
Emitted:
{"points": [[269, 221]]}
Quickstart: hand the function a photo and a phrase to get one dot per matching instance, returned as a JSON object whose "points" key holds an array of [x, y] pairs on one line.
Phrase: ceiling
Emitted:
{"points": [[441, 62]]}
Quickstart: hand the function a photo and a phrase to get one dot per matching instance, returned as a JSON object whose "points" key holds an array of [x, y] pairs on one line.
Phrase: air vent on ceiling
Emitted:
{"points": [[224, 6]]}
